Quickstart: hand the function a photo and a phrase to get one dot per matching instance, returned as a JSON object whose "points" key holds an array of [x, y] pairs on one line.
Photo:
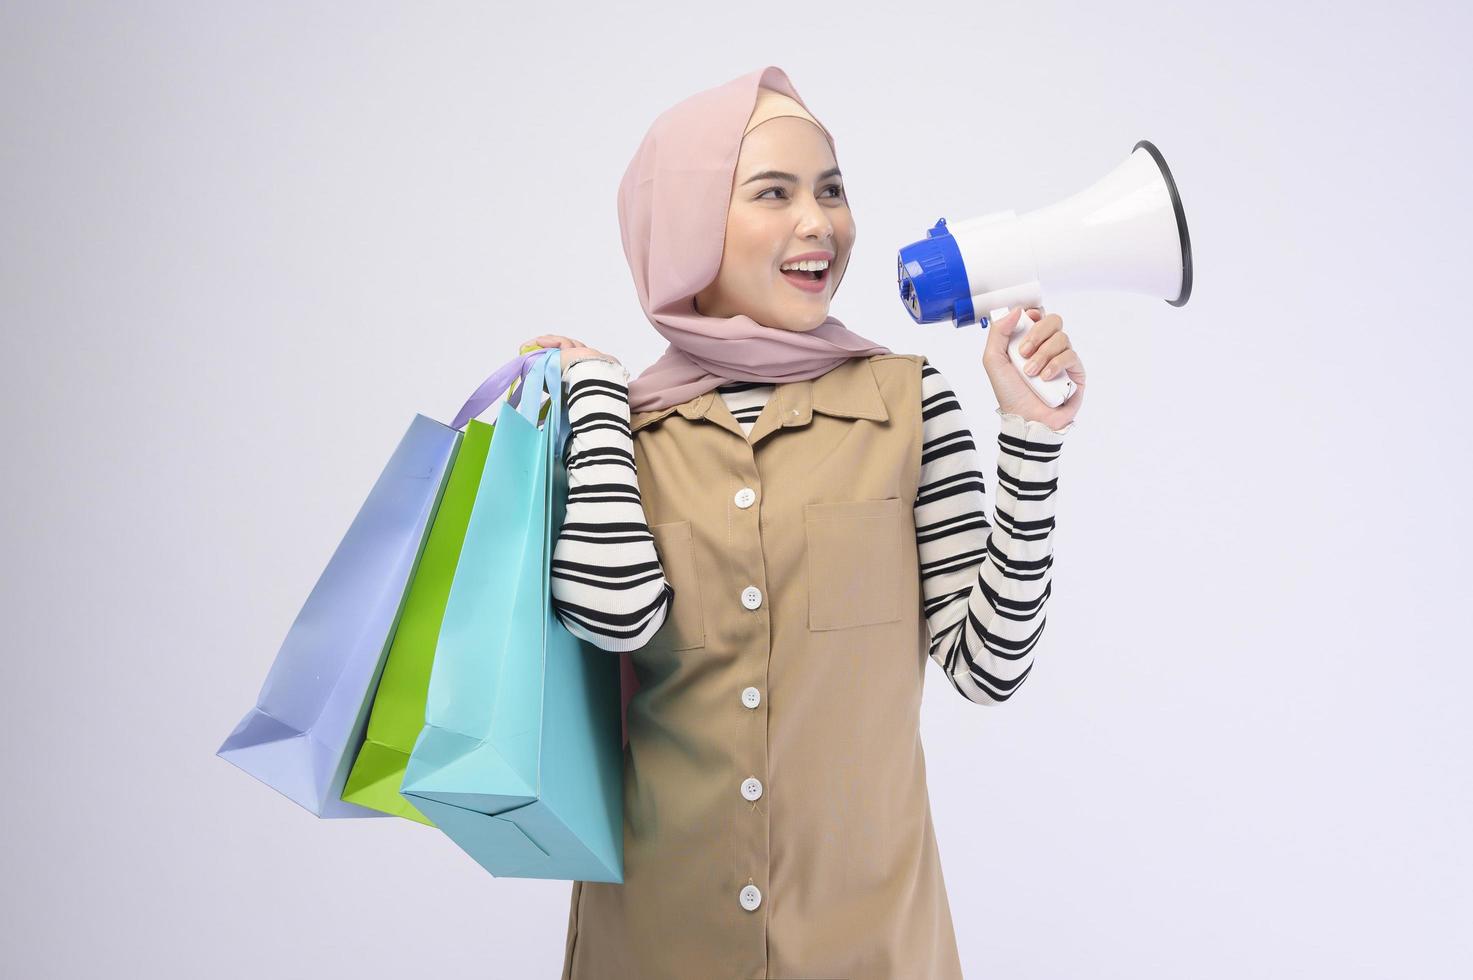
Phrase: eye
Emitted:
{"points": [[839, 191]]}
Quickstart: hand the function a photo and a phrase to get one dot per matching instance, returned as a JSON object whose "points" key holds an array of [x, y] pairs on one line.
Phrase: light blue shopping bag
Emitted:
{"points": [[520, 760], [310, 716]]}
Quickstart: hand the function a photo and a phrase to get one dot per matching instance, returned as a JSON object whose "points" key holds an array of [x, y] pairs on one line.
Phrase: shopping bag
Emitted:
{"points": [[398, 711], [629, 684], [311, 711], [519, 761]]}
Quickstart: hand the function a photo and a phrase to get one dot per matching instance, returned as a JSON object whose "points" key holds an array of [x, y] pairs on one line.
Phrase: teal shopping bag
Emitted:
{"points": [[520, 758]]}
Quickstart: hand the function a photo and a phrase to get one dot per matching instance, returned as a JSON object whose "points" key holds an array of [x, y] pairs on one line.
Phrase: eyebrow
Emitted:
{"points": [[781, 175]]}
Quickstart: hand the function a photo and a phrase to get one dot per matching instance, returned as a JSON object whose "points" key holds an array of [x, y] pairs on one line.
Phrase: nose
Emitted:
{"points": [[814, 222]]}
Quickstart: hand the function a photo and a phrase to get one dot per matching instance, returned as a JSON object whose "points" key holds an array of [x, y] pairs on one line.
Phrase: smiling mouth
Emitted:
{"points": [[808, 278]]}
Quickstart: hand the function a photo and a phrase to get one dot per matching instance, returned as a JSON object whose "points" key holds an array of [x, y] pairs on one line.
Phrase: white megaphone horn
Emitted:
{"points": [[1125, 232]]}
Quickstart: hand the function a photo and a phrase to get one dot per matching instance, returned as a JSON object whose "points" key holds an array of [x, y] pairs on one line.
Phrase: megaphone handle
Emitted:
{"points": [[1054, 391]]}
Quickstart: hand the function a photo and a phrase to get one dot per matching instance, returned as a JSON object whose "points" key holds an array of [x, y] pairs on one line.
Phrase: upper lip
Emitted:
{"points": [[806, 256]]}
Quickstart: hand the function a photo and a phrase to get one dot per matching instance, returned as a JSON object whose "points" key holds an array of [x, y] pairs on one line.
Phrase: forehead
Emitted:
{"points": [[785, 143]]}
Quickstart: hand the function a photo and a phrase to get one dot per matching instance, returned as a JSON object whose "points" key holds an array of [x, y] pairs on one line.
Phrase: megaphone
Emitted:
{"points": [[1125, 232]]}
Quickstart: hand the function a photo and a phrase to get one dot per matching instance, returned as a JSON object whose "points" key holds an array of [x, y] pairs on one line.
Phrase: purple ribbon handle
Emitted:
{"points": [[495, 386]]}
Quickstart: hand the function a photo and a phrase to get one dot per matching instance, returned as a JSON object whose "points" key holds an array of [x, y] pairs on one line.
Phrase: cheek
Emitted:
{"points": [[844, 229], [752, 275], [752, 246]]}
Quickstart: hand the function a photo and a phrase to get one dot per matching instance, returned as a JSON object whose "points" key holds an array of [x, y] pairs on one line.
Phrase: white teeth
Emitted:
{"points": [[809, 265]]}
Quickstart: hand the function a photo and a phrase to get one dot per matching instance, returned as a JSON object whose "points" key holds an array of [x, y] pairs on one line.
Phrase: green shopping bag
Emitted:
{"points": [[398, 711]]}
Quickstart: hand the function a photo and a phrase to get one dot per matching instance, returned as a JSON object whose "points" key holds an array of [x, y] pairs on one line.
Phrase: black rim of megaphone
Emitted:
{"points": [[1181, 222]]}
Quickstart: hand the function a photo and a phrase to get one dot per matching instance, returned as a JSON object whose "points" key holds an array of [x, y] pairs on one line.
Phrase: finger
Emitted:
{"points": [[999, 335], [1039, 333], [1076, 369], [1000, 331], [1047, 350], [1065, 361]]}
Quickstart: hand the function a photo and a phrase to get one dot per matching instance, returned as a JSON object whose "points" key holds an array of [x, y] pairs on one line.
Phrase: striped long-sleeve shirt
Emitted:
{"points": [[984, 584]]}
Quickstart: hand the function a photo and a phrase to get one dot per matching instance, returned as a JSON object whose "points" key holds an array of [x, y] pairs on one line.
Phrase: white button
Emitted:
{"points": [[751, 898], [751, 697], [751, 597], [752, 787], [745, 496]]}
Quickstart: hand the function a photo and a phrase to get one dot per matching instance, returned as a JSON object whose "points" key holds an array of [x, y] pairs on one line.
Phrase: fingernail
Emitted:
{"points": [[1030, 368], [1026, 348]]}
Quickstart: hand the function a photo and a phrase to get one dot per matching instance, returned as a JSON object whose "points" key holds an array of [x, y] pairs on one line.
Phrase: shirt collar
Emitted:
{"points": [[846, 391]]}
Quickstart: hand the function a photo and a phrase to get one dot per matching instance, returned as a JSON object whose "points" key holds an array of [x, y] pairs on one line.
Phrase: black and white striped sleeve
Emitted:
{"points": [[607, 584], [984, 586]]}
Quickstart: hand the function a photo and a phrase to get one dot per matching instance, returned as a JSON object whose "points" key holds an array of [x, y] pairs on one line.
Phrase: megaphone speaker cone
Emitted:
{"points": [[1181, 222]]}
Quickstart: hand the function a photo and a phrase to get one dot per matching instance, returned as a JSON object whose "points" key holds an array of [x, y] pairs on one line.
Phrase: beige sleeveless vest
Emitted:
{"points": [[776, 816]]}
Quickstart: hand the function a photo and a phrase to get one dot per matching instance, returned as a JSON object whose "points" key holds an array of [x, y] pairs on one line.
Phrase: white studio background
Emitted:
{"points": [[242, 244]]}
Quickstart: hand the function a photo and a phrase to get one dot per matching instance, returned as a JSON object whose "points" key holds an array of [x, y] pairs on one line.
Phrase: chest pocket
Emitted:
{"points": [[854, 562], [685, 625]]}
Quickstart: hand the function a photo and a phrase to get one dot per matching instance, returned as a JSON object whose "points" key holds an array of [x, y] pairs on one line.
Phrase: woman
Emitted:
{"points": [[787, 527]]}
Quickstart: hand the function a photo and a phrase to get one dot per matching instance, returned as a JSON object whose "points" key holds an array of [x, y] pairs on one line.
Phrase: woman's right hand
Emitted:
{"points": [[572, 350]]}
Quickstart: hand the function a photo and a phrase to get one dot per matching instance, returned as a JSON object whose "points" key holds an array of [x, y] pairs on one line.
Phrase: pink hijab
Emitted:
{"points": [[673, 202]]}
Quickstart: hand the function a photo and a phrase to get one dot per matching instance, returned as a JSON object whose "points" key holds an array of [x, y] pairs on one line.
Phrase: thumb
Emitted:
{"points": [[999, 332]]}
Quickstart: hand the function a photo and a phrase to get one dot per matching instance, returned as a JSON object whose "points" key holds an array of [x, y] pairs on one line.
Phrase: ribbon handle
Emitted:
{"points": [[497, 384]]}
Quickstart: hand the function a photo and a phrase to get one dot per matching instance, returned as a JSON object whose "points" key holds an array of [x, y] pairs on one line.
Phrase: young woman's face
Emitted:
{"points": [[772, 219]]}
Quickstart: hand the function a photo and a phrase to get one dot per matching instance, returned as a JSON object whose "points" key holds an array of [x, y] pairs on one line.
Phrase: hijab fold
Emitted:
{"points": [[673, 202]]}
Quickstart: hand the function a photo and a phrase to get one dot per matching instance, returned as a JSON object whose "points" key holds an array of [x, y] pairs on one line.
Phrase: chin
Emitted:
{"points": [[802, 323]]}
